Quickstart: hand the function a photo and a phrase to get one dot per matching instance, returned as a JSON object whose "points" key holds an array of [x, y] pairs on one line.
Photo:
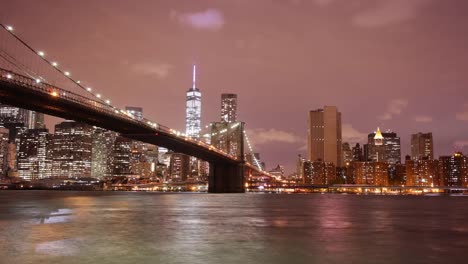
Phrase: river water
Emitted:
{"points": [[126, 227]]}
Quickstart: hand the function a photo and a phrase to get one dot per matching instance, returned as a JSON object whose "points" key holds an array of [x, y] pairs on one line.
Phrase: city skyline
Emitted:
{"points": [[408, 108]]}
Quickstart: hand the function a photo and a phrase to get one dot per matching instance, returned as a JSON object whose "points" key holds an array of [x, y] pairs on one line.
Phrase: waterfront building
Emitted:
{"points": [[422, 172], [102, 155], [397, 174], [324, 135], [453, 170], [229, 108], [371, 173], [300, 167], [422, 146], [32, 155], [70, 150], [121, 157], [319, 172], [178, 169]]}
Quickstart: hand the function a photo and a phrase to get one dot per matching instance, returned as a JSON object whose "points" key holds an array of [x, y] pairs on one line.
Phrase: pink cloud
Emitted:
{"points": [[210, 19]]}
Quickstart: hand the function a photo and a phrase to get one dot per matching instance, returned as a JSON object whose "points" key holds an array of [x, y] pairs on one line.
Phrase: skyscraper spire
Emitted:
{"points": [[194, 80], [193, 110]]}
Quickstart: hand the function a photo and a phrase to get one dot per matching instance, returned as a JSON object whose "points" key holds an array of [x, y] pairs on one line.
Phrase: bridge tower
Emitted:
{"points": [[228, 177]]}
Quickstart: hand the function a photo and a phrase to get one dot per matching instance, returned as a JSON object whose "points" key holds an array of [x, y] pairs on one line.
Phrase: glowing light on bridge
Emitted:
{"points": [[9, 76], [41, 53], [38, 80], [89, 89], [108, 101], [9, 28], [67, 73], [98, 95], [54, 94], [55, 64], [78, 82]]}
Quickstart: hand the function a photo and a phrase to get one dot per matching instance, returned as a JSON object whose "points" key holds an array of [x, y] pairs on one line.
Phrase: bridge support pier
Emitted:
{"points": [[226, 178]]}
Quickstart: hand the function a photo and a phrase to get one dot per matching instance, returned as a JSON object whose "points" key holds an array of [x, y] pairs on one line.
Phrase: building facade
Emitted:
{"points": [[229, 108], [102, 155], [319, 173], [371, 173], [422, 146], [32, 155], [453, 170], [324, 135], [422, 172], [70, 150]]}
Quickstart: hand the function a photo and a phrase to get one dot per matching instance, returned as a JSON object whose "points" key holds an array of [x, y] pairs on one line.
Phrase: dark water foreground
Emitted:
{"points": [[105, 227]]}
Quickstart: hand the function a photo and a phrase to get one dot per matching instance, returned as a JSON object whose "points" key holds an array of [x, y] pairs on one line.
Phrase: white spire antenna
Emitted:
{"points": [[194, 76]]}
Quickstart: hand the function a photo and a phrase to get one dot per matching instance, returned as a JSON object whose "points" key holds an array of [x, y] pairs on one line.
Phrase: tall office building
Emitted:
{"points": [[102, 154], [178, 168], [229, 108], [357, 153], [422, 146], [383, 147], [324, 139], [32, 151], [35, 120], [122, 157], [193, 109], [70, 150], [137, 112], [347, 153]]}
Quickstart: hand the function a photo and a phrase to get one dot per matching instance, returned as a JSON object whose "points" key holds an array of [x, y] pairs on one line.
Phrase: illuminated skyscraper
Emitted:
{"points": [[193, 110], [454, 170], [229, 108], [422, 146], [383, 147], [324, 139], [32, 162], [102, 154], [70, 149]]}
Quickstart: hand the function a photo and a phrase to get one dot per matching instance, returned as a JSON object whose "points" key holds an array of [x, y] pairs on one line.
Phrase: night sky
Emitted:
{"points": [[398, 64]]}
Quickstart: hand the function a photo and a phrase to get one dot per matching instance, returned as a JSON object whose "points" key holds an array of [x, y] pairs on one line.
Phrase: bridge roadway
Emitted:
{"points": [[226, 171]]}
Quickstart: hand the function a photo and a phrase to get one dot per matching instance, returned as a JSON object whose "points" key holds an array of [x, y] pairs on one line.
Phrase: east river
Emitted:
{"points": [[127, 227]]}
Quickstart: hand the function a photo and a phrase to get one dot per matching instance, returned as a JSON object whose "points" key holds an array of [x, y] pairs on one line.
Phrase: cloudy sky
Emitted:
{"points": [[398, 64]]}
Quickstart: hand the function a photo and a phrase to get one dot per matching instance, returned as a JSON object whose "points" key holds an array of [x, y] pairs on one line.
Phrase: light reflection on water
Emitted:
{"points": [[100, 227]]}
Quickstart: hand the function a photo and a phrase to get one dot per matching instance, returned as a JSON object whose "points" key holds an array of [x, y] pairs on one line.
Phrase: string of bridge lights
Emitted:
{"points": [[55, 64], [251, 150]]}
